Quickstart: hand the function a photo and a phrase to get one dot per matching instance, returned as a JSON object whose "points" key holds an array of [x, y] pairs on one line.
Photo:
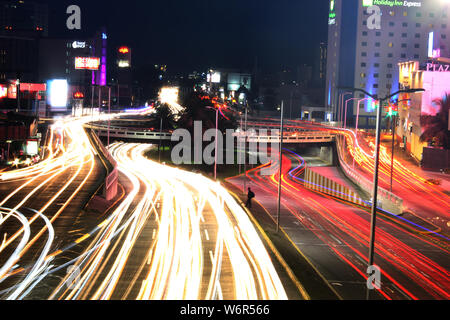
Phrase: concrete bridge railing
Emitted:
{"points": [[388, 201]]}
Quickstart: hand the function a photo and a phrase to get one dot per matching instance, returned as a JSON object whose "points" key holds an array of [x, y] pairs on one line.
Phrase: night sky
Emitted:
{"points": [[194, 34]]}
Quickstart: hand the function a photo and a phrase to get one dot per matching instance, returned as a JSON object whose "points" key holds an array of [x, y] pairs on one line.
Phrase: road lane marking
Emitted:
{"points": [[207, 235]]}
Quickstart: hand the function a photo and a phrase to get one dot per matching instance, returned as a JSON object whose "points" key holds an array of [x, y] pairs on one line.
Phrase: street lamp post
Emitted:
{"points": [[281, 166], [18, 95], [376, 170], [109, 113], [245, 147], [341, 104], [394, 128], [216, 142], [346, 107], [160, 139]]}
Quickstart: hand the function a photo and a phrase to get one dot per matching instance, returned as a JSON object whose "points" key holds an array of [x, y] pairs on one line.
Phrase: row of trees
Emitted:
{"points": [[197, 108]]}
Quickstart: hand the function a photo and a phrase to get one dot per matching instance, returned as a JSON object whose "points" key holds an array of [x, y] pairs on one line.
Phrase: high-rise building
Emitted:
{"points": [[22, 24], [364, 54], [320, 65], [24, 17]]}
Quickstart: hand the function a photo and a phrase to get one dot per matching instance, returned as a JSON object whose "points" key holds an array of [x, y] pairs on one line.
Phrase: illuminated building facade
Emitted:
{"points": [[434, 77], [361, 55]]}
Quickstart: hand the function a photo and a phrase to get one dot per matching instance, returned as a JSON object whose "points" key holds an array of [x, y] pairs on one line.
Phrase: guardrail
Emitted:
{"points": [[130, 134], [388, 201], [304, 138], [112, 173], [317, 182]]}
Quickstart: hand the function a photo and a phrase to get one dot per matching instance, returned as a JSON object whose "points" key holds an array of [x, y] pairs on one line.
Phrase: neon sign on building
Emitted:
{"points": [[87, 63], [391, 3]]}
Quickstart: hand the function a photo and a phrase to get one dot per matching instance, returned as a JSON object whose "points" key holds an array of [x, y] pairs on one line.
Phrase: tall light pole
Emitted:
{"points": [[281, 166], [160, 138], [18, 95], [245, 147], [109, 113], [376, 170], [394, 126], [216, 142], [346, 107], [340, 105]]}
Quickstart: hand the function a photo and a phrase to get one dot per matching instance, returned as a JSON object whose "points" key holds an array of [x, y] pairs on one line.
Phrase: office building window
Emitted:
{"points": [[418, 25], [417, 46], [364, 33], [378, 33], [391, 34], [376, 65], [417, 35], [376, 75], [377, 44], [443, 36], [444, 26], [391, 24], [405, 24], [416, 56], [375, 86], [364, 44], [390, 55], [389, 65], [363, 65], [404, 45], [389, 76], [404, 35], [418, 14], [377, 54], [403, 55], [364, 54], [431, 15]]}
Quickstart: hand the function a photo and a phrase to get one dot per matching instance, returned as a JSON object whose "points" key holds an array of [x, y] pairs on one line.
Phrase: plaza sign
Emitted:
{"points": [[438, 67], [391, 3]]}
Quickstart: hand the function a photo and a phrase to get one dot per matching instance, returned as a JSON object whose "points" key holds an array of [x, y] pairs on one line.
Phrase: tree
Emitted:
{"points": [[196, 109], [436, 127], [168, 119]]}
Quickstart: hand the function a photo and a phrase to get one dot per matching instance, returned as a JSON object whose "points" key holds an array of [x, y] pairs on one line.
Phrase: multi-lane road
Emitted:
{"points": [[176, 235], [171, 235]]}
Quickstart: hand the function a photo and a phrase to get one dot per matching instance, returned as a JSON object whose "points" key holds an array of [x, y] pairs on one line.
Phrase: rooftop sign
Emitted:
{"points": [[391, 3]]}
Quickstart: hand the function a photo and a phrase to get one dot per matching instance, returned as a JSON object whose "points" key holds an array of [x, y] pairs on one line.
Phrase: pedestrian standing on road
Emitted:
{"points": [[250, 196]]}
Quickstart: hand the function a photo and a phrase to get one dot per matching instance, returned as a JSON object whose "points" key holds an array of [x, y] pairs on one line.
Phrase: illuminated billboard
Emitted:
{"points": [[57, 93], [3, 91], [123, 63], [124, 50], [32, 148], [87, 63], [214, 78]]}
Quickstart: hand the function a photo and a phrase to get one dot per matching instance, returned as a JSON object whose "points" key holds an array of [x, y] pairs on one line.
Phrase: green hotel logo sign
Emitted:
{"points": [[391, 3], [332, 16]]}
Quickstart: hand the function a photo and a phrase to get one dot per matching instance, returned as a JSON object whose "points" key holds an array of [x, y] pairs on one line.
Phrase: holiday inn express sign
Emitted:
{"points": [[391, 3]]}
